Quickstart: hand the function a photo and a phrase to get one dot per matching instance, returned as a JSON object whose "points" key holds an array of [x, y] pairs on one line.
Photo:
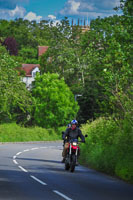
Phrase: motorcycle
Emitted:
{"points": [[72, 155]]}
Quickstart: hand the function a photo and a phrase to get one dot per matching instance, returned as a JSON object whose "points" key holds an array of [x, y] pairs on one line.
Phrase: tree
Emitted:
{"points": [[54, 102], [11, 45], [15, 99], [69, 58], [64, 55], [109, 51], [29, 55]]}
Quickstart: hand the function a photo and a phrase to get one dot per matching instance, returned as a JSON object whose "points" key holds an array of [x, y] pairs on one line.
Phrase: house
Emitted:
{"points": [[30, 73], [42, 50], [32, 69]]}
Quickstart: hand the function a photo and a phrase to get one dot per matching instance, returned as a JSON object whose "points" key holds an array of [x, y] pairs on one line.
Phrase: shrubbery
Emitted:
{"points": [[14, 133], [109, 147], [54, 102]]}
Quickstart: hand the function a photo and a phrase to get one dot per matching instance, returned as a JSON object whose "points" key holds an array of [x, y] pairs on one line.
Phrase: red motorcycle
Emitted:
{"points": [[72, 155]]}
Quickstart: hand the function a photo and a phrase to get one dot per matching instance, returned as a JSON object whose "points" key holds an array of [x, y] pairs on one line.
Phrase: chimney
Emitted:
{"points": [[72, 22], [84, 22], [81, 22], [78, 22]]}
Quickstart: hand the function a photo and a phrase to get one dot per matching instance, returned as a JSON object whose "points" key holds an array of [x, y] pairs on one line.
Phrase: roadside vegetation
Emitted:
{"points": [[12, 132], [109, 147], [96, 67]]}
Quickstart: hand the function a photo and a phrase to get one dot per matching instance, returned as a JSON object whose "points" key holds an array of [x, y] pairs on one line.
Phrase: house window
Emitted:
{"points": [[34, 74]]}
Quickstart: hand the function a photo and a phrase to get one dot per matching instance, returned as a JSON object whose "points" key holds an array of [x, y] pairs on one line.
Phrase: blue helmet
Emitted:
{"points": [[74, 122], [68, 125]]}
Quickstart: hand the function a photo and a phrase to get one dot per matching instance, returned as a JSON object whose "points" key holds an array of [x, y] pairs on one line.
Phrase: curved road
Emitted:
{"points": [[33, 171]]}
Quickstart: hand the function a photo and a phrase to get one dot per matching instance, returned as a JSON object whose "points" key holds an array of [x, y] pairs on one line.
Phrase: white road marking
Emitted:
{"points": [[22, 169], [62, 195], [34, 148], [26, 150], [33, 177], [15, 161], [38, 180], [18, 153]]}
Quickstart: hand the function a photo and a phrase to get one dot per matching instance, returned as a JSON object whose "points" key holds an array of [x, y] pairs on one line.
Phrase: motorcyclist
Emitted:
{"points": [[72, 132], [66, 138]]}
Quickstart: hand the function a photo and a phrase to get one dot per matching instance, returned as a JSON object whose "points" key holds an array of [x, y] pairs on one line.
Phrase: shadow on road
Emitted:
{"points": [[40, 160]]}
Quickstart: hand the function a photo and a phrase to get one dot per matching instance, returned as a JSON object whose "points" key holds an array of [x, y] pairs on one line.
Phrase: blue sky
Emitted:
{"points": [[56, 9]]}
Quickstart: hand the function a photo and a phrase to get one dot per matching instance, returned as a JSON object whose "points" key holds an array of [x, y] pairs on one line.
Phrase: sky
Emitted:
{"points": [[57, 9]]}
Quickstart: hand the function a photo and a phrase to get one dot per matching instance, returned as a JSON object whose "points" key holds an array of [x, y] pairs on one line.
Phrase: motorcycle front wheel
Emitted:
{"points": [[67, 165], [73, 163]]}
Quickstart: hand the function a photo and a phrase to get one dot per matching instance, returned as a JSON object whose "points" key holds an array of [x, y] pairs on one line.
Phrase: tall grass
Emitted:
{"points": [[109, 148], [14, 133]]}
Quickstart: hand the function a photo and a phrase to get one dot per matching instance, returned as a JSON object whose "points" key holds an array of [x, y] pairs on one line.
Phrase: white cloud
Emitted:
{"points": [[55, 22], [92, 8], [71, 7], [32, 16], [74, 6], [52, 17], [11, 4], [18, 12]]}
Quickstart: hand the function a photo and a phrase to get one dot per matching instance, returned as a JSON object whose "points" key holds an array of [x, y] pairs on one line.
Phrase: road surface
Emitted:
{"points": [[33, 171]]}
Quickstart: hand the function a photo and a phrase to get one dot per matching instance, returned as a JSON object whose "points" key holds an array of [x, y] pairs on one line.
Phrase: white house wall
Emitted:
{"points": [[35, 71], [28, 81]]}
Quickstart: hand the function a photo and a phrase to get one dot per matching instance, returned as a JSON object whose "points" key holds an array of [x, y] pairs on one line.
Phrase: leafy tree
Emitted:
{"points": [[64, 55], [127, 7], [102, 56], [54, 102], [15, 99], [109, 51], [4, 28], [29, 55], [11, 45]]}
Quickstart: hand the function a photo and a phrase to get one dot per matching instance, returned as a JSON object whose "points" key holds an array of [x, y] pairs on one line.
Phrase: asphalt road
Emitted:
{"points": [[33, 171]]}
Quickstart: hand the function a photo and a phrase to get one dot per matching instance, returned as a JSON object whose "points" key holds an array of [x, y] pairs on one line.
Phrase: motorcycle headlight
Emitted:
{"points": [[74, 143]]}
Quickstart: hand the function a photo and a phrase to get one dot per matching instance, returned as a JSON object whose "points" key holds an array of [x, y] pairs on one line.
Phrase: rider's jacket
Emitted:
{"points": [[73, 134]]}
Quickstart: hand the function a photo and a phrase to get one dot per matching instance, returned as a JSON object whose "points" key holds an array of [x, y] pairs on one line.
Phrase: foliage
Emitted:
{"points": [[29, 55], [11, 45], [15, 100], [54, 102], [109, 58], [97, 64], [63, 55], [109, 147], [127, 7], [11, 132]]}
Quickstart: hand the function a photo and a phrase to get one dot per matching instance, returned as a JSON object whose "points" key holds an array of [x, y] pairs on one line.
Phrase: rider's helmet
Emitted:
{"points": [[68, 125], [74, 122]]}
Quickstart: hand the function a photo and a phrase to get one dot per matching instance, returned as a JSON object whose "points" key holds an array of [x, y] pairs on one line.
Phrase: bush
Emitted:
{"points": [[14, 133], [54, 101], [124, 169], [109, 147]]}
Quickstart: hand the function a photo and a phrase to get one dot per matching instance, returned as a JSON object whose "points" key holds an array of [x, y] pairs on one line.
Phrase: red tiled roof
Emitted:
{"points": [[42, 50], [28, 68]]}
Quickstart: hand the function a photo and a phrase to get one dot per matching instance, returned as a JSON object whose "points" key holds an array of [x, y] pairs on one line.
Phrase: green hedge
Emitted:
{"points": [[109, 147], [14, 133]]}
